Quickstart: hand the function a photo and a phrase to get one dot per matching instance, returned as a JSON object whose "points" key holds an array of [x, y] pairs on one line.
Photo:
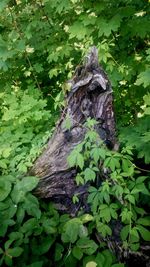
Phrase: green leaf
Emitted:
{"points": [[104, 229], [80, 161], [15, 252], [3, 164], [79, 179], [91, 264], [72, 159], [86, 218], [88, 246], [5, 189], [58, 251], [131, 198], [144, 232], [135, 246], [71, 230], [89, 175], [6, 152], [105, 214], [3, 4], [47, 242], [8, 260], [143, 78], [125, 165], [141, 179], [125, 232], [134, 235], [27, 184], [67, 123], [36, 264], [77, 253], [77, 30], [98, 153], [144, 221], [83, 231], [29, 225]]}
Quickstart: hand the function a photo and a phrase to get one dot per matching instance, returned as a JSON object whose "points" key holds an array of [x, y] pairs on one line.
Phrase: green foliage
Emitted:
{"points": [[138, 136], [23, 128], [119, 196], [41, 42]]}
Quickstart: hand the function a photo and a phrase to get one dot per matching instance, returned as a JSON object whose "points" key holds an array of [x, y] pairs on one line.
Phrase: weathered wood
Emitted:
{"points": [[90, 96]]}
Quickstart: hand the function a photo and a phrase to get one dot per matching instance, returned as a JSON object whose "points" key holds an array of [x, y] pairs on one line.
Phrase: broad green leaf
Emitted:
{"points": [[144, 232], [125, 232], [27, 184], [15, 252], [71, 230], [144, 221], [5, 189], [77, 253], [87, 246], [83, 231]]}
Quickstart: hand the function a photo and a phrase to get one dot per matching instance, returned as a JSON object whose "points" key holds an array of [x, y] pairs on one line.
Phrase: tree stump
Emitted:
{"points": [[90, 96]]}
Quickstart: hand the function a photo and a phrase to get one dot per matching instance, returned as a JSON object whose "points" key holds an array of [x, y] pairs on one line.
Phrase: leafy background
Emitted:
{"points": [[41, 43]]}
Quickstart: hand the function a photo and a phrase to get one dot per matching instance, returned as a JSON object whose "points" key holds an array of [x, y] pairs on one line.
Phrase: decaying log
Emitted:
{"points": [[90, 96]]}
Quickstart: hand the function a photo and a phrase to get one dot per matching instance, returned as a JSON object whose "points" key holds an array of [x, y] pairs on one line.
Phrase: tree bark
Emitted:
{"points": [[90, 97]]}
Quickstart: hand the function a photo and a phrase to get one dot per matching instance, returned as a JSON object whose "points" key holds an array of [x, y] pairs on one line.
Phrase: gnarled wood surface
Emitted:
{"points": [[90, 96]]}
